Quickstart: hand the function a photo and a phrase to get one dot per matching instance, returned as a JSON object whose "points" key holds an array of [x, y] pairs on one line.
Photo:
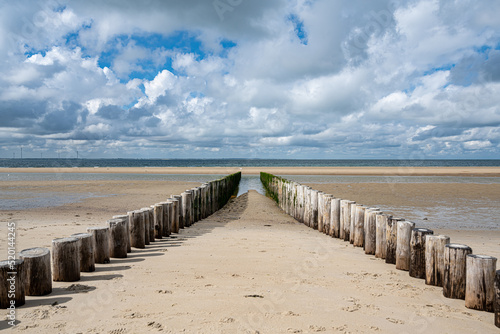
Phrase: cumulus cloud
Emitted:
{"points": [[298, 79]]}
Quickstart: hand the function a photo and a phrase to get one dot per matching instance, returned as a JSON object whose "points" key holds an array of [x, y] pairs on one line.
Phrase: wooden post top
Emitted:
{"points": [[98, 228], [65, 240], [34, 252], [81, 235], [484, 257], [422, 229], [8, 263], [458, 246]]}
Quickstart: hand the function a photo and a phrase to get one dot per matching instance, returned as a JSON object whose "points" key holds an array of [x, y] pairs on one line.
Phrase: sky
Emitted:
{"points": [[289, 79]]}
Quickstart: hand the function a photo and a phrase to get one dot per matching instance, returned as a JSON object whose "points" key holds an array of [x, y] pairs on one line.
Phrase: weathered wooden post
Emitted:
{"points": [[126, 217], [203, 201], [480, 282], [381, 242], [359, 226], [158, 220], [66, 259], [101, 243], [308, 206], [417, 251], [455, 270], [38, 272], [186, 207], [117, 238], [166, 218], [321, 207], [12, 283], [371, 230], [403, 245], [391, 230], [178, 218], [497, 298], [335, 218], [327, 213], [175, 215], [434, 258], [345, 219], [352, 223], [313, 223], [137, 229], [87, 249], [145, 218]]}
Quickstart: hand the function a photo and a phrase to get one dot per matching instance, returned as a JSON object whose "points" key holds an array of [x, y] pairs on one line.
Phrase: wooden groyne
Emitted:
{"points": [[462, 274], [32, 274]]}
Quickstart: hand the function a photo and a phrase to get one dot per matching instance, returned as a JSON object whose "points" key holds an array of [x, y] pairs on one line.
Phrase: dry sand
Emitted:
{"points": [[248, 268]]}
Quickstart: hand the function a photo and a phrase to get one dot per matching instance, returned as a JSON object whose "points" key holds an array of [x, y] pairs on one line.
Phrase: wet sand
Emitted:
{"points": [[247, 269]]}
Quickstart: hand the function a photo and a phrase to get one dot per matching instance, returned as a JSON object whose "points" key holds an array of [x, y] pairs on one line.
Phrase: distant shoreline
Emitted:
{"points": [[375, 171]]}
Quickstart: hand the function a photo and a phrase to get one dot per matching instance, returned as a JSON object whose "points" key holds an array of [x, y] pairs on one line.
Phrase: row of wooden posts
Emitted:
{"points": [[32, 275], [462, 275]]}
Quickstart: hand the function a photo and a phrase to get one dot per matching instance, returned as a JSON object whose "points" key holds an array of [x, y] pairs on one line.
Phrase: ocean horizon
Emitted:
{"points": [[239, 162]]}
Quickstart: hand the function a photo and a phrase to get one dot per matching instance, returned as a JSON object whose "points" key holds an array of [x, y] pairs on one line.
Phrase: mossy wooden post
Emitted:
{"points": [[391, 232], [371, 230], [417, 252], [381, 242], [334, 217], [101, 243], [12, 283], [403, 245], [158, 220], [117, 238], [66, 259], [497, 298], [313, 223], [127, 221], [301, 205], [434, 258], [38, 271], [480, 282], [136, 229], [359, 224], [87, 249], [454, 278]]}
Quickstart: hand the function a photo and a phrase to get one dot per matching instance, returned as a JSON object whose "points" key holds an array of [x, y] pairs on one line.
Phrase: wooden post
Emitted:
{"points": [[381, 242], [417, 252], [158, 220], [136, 229], [186, 207], [403, 245], [101, 243], [117, 238], [87, 249], [12, 284], [129, 249], [166, 218], [66, 259], [151, 213], [307, 206], [335, 218], [178, 212], [321, 208], [175, 214], [38, 272], [145, 218], [359, 224], [352, 221], [480, 282], [434, 258], [371, 230], [327, 210], [497, 299], [345, 219], [455, 270], [313, 223], [391, 231]]}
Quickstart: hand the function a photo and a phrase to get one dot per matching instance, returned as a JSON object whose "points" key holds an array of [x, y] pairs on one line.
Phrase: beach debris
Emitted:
{"points": [[254, 296], [79, 288]]}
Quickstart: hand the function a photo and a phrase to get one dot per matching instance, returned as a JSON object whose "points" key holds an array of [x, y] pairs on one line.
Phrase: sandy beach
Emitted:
{"points": [[249, 268]]}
